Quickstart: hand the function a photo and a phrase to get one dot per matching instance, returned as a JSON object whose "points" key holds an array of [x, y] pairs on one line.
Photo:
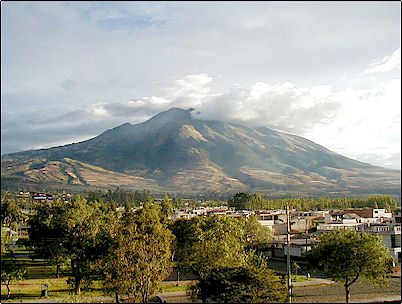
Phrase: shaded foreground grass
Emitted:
{"points": [[29, 290]]}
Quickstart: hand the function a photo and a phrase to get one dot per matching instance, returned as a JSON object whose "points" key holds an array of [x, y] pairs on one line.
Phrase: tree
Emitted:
{"points": [[258, 236], [10, 211], [212, 242], [82, 223], [140, 256], [346, 256], [10, 270], [253, 282], [71, 230], [247, 201], [6, 240], [46, 233], [167, 208], [239, 200]]}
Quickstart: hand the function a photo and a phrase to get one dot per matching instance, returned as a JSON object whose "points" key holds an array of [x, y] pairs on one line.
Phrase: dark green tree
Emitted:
{"points": [[46, 233], [253, 282]]}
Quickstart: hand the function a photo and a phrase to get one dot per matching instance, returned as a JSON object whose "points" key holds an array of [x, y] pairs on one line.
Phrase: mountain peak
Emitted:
{"points": [[174, 152], [172, 115], [177, 111]]}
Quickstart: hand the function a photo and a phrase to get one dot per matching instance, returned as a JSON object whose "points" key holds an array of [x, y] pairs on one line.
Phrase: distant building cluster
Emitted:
{"points": [[41, 196], [307, 226]]}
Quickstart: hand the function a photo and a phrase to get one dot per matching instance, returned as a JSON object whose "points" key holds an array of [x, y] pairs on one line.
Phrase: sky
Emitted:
{"points": [[327, 71]]}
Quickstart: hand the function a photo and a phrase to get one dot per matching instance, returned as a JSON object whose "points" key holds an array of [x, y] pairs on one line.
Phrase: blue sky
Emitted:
{"points": [[326, 71]]}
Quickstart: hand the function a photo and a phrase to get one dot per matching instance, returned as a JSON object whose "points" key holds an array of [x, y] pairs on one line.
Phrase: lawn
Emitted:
{"points": [[300, 278]]}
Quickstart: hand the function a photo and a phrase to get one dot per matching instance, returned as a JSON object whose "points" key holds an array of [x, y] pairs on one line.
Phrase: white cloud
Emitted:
{"points": [[387, 64], [366, 126], [190, 91], [283, 106], [98, 111]]}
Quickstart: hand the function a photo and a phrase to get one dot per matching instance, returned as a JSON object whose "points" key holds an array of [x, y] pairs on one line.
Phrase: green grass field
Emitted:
{"points": [[300, 278]]}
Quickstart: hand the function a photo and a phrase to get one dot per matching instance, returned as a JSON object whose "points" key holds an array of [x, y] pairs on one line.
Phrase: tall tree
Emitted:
{"points": [[82, 223], [347, 256], [140, 257], [167, 208], [46, 233]]}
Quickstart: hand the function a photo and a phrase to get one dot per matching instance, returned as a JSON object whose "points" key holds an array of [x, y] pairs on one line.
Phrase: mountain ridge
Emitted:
{"points": [[175, 151]]}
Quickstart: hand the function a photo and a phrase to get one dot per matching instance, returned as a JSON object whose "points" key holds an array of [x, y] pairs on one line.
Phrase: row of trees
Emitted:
{"points": [[257, 202], [118, 196]]}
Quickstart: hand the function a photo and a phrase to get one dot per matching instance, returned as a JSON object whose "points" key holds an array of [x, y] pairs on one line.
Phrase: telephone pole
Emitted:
{"points": [[289, 271]]}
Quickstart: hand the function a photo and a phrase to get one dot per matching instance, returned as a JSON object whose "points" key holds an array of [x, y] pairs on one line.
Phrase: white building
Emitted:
{"points": [[391, 235]]}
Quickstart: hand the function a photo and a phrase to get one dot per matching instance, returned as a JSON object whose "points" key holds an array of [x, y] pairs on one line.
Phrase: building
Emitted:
{"points": [[391, 235]]}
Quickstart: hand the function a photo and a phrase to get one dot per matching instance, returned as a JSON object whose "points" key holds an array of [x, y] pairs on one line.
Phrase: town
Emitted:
{"points": [[307, 225]]}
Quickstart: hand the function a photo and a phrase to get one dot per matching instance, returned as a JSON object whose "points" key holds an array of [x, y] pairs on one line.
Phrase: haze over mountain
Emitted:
{"points": [[176, 152]]}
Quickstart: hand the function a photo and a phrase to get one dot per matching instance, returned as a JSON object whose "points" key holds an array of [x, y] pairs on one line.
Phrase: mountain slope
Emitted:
{"points": [[175, 152]]}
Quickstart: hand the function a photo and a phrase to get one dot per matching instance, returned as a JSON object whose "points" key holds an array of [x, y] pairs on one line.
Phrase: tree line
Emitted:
{"points": [[255, 201]]}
